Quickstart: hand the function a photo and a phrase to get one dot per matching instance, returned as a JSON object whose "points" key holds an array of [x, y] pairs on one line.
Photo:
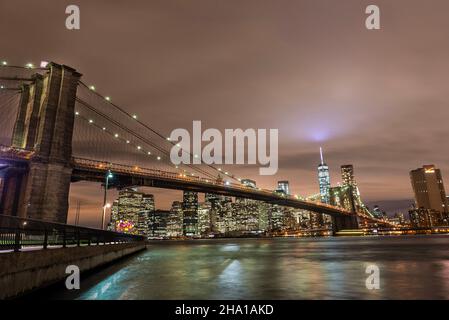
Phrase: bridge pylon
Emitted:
{"points": [[44, 125], [344, 223]]}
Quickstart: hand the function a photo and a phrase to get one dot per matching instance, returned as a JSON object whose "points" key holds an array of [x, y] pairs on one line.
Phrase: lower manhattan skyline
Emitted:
{"points": [[88, 197], [223, 158]]}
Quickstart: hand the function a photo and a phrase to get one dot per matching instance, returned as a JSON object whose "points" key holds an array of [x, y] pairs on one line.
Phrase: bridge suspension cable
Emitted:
{"points": [[9, 100], [131, 132], [28, 66], [154, 131]]}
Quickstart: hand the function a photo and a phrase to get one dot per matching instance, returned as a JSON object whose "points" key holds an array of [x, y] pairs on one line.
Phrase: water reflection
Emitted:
{"points": [[331, 268], [108, 288]]}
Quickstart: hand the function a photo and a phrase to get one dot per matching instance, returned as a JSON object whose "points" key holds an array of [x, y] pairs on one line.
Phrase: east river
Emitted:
{"points": [[410, 267]]}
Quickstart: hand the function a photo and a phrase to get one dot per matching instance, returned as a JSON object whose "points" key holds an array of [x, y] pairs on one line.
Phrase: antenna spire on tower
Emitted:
{"points": [[321, 155]]}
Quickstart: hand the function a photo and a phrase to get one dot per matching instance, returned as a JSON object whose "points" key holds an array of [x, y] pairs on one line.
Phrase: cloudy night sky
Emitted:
{"points": [[374, 99]]}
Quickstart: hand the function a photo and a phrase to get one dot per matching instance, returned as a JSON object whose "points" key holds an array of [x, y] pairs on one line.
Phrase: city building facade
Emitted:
{"points": [[428, 188], [130, 212], [323, 179], [190, 214]]}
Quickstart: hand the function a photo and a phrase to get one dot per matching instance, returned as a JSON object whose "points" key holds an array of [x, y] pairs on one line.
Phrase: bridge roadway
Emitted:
{"points": [[92, 170]]}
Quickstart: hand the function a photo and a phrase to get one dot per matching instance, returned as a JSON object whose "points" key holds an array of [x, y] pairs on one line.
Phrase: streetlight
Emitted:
{"points": [[106, 206], [108, 176]]}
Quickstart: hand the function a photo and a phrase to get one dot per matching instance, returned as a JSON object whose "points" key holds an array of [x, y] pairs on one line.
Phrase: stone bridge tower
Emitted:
{"points": [[44, 125]]}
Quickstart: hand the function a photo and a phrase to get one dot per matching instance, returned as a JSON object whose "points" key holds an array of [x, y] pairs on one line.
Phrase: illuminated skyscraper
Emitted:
{"points": [[221, 218], [157, 225], [276, 218], [175, 219], [323, 179], [348, 180], [216, 202], [246, 214], [190, 213], [146, 210], [426, 218], [204, 218], [263, 218], [428, 187], [347, 175], [226, 222], [130, 212], [284, 186]]}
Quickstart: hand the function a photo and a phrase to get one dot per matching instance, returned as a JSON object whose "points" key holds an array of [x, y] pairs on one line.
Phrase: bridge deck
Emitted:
{"points": [[86, 169], [93, 170]]}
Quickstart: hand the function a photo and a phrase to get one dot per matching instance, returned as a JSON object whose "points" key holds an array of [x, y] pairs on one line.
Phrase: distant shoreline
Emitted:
{"points": [[201, 241]]}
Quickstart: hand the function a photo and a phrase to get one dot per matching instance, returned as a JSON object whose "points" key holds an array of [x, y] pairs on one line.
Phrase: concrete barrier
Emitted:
{"points": [[21, 272]]}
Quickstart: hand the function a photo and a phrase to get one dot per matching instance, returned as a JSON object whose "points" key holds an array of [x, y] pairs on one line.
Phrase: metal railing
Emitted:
{"points": [[13, 152], [20, 234]]}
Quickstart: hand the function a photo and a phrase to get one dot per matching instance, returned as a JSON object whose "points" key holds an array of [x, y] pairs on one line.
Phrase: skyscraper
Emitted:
{"points": [[246, 214], [347, 175], [323, 179], [284, 186], [130, 212], [157, 224], [212, 197], [175, 220], [220, 213], [263, 211], [146, 210], [348, 180], [428, 187], [216, 202], [204, 218], [275, 216], [426, 218], [190, 213]]}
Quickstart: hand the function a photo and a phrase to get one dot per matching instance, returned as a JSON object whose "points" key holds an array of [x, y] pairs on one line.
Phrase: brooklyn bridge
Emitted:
{"points": [[57, 130]]}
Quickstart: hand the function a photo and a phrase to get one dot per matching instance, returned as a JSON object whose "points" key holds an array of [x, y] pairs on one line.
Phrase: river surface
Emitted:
{"points": [[410, 267]]}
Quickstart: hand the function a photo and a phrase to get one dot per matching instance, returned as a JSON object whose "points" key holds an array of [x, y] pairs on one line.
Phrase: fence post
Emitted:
{"points": [[78, 238], [45, 238], [17, 245], [64, 243]]}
